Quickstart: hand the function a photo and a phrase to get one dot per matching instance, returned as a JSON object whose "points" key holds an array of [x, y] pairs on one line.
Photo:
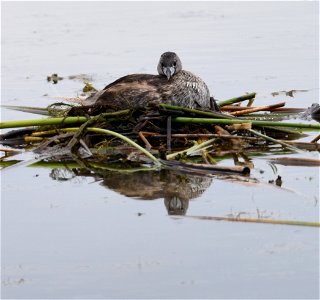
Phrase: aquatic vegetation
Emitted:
{"points": [[165, 131]]}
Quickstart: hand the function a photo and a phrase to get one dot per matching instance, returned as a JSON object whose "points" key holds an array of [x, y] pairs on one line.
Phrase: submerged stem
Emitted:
{"points": [[268, 138]]}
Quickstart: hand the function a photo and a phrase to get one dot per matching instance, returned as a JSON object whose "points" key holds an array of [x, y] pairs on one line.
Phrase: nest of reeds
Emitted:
{"points": [[166, 135]]}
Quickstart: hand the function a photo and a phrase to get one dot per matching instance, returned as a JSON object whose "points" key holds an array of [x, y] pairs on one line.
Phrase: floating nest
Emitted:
{"points": [[165, 135]]}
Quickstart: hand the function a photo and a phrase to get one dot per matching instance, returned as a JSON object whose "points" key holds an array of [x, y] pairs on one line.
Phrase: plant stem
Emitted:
{"points": [[255, 109], [264, 221], [236, 100], [42, 122], [122, 137], [28, 109], [196, 111], [56, 121], [268, 138], [280, 109], [191, 150], [239, 121]]}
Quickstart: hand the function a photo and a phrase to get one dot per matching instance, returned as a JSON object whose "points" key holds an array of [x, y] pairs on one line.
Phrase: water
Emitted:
{"points": [[105, 235]]}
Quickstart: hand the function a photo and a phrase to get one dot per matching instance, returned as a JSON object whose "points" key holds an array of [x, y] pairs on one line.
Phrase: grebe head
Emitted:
{"points": [[169, 64]]}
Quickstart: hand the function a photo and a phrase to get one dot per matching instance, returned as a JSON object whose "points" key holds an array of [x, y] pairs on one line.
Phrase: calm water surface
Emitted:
{"points": [[112, 235]]}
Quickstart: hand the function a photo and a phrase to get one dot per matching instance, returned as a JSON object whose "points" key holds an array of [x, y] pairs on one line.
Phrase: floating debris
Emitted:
{"points": [[288, 93], [88, 87], [81, 77], [54, 78]]}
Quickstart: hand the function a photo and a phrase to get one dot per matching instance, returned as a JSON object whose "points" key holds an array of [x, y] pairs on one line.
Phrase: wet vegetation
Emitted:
{"points": [[167, 146]]}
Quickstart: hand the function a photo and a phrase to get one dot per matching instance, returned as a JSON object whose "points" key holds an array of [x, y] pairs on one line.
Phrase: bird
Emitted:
{"points": [[172, 85]]}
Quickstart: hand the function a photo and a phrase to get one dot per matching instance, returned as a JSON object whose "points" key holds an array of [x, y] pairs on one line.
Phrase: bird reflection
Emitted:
{"points": [[175, 187]]}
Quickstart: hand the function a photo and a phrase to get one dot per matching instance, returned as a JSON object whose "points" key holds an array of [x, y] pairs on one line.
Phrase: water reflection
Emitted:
{"points": [[176, 188]]}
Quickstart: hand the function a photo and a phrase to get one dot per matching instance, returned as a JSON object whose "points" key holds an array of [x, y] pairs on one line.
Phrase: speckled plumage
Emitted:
{"points": [[172, 86], [186, 89]]}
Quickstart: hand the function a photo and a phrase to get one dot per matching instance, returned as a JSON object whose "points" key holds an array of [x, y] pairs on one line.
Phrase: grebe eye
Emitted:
{"points": [[174, 63]]}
